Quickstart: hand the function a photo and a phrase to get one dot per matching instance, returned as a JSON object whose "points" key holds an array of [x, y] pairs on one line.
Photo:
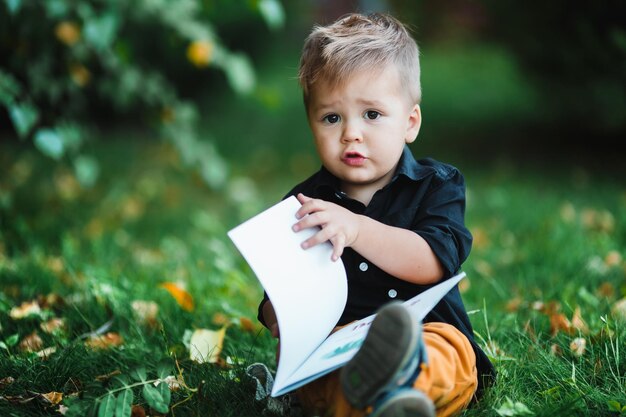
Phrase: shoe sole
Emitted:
{"points": [[408, 403], [388, 347]]}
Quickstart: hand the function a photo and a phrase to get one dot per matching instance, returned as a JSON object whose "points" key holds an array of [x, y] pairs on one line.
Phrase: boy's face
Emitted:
{"points": [[360, 128]]}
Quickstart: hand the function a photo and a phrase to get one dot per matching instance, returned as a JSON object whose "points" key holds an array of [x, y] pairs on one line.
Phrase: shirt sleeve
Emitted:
{"points": [[440, 220], [260, 309]]}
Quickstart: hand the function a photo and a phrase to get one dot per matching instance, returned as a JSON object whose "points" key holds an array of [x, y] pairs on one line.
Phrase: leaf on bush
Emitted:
{"points": [[24, 116], [200, 53], [273, 13], [49, 143], [123, 404], [105, 341], [154, 399], [67, 32], [100, 31], [182, 297], [139, 374], [27, 308], [206, 345], [13, 6], [107, 406], [239, 73], [87, 170], [164, 390]]}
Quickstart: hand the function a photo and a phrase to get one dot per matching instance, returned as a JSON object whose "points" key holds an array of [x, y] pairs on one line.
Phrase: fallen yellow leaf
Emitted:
{"points": [[31, 343], [182, 297], [220, 319], [47, 352], [578, 323], [53, 397], [26, 309], [105, 341], [206, 345], [246, 324], [53, 325]]}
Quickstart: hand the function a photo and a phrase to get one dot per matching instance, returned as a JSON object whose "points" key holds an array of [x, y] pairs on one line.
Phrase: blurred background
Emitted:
{"points": [[538, 81]]}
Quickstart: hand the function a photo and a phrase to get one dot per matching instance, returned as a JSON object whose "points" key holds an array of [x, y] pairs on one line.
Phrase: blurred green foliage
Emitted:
{"points": [[69, 65], [570, 60]]}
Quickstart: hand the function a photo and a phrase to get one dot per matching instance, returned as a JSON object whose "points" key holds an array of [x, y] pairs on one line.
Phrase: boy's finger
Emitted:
{"points": [[302, 198], [338, 245], [320, 237], [312, 220]]}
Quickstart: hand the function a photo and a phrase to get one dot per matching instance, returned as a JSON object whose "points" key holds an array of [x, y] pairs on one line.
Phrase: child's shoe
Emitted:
{"points": [[405, 402], [388, 360]]}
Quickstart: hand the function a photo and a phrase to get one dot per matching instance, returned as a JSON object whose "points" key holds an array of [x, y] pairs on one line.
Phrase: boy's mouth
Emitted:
{"points": [[353, 158]]}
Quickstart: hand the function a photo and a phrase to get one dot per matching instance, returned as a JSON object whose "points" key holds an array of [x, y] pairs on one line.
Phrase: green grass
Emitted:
{"points": [[543, 238]]}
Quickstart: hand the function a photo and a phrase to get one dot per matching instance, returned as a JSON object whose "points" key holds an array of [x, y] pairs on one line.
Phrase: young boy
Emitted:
{"points": [[397, 224]]}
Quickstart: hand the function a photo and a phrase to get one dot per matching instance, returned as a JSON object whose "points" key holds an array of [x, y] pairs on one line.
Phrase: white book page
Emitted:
{"points": [[342, 345], [307, 289]]}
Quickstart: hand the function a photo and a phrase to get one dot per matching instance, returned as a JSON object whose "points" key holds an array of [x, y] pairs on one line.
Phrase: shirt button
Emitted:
{"points": [[363, 266], [392, 293]]}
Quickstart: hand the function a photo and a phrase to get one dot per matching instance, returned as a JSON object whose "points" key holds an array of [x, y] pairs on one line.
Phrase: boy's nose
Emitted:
{"points": [[352, 132]]}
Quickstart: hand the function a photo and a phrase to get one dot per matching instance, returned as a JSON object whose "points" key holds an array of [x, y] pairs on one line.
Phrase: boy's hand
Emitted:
{"points": [[339, 225]]}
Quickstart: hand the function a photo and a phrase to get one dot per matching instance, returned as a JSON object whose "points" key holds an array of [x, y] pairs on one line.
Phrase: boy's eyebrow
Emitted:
{"points": [[362, 101]]}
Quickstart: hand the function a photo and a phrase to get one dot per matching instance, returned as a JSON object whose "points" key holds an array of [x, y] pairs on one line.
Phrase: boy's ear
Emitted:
{"points": [[414, 124]]}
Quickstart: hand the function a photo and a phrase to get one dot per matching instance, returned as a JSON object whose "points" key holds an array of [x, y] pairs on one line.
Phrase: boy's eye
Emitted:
{"points": [[372, 114], [331, 118]]}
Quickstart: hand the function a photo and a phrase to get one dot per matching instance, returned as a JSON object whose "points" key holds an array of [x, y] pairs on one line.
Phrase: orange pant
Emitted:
{"points": [[449, 379]]}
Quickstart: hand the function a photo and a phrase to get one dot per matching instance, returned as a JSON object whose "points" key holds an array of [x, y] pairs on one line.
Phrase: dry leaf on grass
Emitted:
{"points": [[578, 346], [31, 343], [146, 312], [206, 345], [47, 352], [105, 341], [182, 297], [53, 325], [246, 324], [619, 310], [27, 308], [53, 397], [220, 319], [6, 381]]}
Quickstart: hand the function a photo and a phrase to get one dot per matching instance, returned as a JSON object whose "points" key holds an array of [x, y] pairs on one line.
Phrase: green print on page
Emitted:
{"points": [[343, 349]]}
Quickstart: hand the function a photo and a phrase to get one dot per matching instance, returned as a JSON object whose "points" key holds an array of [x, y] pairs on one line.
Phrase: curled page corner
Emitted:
{"points": [[307, 289]]}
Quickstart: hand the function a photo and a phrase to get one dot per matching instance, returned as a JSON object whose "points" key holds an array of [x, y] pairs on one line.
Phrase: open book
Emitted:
{"points": [[308, 292]]}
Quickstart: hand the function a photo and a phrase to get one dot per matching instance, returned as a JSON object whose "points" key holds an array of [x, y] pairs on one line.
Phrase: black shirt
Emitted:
{"points": [[427, 197]]}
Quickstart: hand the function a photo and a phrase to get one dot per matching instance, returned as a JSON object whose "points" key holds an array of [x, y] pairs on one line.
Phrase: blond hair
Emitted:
{"points": [[357, 42]]}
